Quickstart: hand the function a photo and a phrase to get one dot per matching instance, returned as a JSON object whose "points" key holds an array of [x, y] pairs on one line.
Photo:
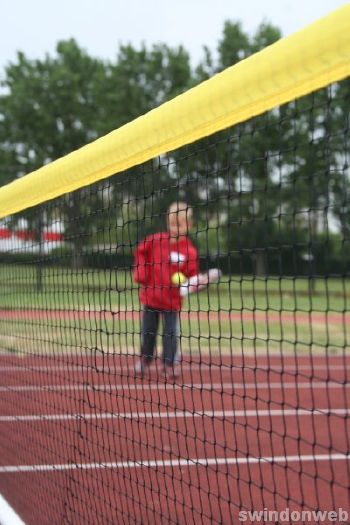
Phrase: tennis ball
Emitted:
{"points": [[178, 278]]}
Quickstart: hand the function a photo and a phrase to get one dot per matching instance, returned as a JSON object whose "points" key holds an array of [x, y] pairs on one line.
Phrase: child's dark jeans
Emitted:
{"points": [[149, 330]]}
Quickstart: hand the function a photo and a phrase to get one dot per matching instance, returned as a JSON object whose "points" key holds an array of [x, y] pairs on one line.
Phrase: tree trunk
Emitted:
{"points": [[260, 263], [39, 266]]}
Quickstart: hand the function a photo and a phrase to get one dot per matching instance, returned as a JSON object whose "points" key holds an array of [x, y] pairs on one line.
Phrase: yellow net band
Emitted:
{"points": [[294, 66]]}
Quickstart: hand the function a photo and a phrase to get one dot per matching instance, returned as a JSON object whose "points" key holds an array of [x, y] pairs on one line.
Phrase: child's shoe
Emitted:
{"points": [[141, 367]]}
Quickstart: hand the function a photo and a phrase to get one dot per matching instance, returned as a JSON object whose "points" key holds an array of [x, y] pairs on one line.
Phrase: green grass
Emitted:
{"points": [[96, 289], [121, 335], [113, 291]]}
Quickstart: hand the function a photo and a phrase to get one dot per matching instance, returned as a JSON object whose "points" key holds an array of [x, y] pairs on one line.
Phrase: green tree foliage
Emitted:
{"points": [[340, 184], [234, 167], [140, 80], [56, 105], [50, 108], [52, 105], [233, 47]]}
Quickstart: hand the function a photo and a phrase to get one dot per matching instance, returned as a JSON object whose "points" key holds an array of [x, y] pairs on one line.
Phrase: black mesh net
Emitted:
{"points": [[174, 340]]}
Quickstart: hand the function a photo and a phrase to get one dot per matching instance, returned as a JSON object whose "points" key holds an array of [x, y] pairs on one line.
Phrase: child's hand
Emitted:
{"points": [[200, 281]]}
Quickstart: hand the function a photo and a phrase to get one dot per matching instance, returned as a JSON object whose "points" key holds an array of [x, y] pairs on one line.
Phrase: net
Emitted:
{"points": [[174, 338]]}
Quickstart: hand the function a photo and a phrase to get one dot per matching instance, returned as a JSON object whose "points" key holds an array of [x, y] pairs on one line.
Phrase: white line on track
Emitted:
{"points": [[204, 366], [218, 414], [145, 386], [184, 462]]}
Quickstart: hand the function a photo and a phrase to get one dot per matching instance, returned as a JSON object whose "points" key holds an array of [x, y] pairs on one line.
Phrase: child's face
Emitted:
{"points": [[179, 223]]}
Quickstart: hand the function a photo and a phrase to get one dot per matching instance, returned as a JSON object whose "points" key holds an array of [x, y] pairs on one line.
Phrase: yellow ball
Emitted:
{"points": [[178, 278]]}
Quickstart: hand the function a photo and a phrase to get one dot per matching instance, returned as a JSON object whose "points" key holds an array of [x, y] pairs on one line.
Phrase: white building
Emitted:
{"points": [[20, 239]]}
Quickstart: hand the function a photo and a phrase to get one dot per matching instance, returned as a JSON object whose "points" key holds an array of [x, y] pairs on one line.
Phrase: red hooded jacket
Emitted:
{"points": [[156, 260]]}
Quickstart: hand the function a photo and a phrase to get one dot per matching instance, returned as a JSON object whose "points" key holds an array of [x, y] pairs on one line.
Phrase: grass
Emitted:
{"points": [[93, 290]]}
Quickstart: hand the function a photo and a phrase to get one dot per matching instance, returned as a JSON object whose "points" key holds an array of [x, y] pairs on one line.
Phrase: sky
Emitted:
{"points": [[100, 26]]}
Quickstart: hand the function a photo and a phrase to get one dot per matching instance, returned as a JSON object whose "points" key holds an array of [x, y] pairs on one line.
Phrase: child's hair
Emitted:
{"points": [[177, 207]]}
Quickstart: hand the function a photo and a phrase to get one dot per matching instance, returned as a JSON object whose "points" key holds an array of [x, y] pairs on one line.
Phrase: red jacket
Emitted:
{"points": [[156, 260]]}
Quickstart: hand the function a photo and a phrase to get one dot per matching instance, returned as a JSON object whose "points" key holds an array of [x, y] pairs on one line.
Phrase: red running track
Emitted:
{"points": [[94, 444]]}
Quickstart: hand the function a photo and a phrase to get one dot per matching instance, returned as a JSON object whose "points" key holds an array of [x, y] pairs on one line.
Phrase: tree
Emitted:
{"points": [[231, 174], [140, 80], [50, 108]]}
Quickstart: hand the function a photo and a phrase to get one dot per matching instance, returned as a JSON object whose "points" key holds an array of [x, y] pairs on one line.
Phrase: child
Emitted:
{"points": [[157, 259]]}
